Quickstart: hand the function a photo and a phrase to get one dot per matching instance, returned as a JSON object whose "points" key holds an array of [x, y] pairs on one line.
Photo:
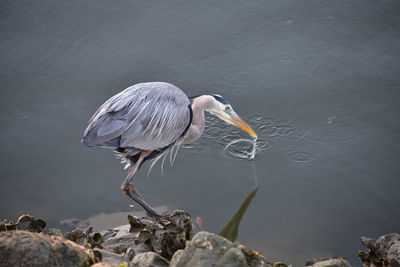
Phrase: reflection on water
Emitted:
{"points": [[231, 229], [103, 221]]}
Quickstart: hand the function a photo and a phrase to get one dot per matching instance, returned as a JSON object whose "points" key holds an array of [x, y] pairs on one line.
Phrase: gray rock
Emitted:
{"points": [[31, 224], [77, 235], [164, 236], [53, 231], [85, 238], [130, 254], [22, 248], [119, 239], [234, 257], [110, 258], [170, 234], [385, 251], [25, 223], [255, 259], [207, 249], [389, 247], [335, 261], [149, 259], [280, 264], [102, 264]]}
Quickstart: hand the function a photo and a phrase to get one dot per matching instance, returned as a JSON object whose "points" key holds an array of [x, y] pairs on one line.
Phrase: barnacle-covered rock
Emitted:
{"points": [[164, 236], [31, 224], [77, 236], [280, 264], [23, 248], [149, 259], [85, 238], [52, 231], [118, 238], [136, 224], [385, 251], [334, 261], [168, 236], [255, 258], [103, 264], [141, 243], [207, 249], [111, 258], [232, 257], [6, 226], [130, 254], [26, 223]]}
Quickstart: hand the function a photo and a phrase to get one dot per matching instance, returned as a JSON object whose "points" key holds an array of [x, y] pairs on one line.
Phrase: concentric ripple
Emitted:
{"points": [[243, 148], [237, 144], [300, 157]]}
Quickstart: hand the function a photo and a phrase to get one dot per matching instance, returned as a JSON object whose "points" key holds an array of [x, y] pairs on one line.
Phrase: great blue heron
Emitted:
{"points": [[147, 120]]}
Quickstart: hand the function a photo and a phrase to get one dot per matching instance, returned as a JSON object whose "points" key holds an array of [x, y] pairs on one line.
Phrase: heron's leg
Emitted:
{"points": [[133, 194], [129, 189]]}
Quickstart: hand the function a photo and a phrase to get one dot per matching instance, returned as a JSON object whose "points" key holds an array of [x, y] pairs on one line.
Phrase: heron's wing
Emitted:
{"points": [[108, 122], [146, 116], [158, 120]]}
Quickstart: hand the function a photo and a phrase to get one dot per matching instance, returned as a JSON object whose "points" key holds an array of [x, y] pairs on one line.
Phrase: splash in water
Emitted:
{"points": [[237, 148], [234, 144]]}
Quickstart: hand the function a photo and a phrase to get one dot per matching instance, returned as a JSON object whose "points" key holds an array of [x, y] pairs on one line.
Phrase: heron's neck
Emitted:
{"points": [[199, 105]]}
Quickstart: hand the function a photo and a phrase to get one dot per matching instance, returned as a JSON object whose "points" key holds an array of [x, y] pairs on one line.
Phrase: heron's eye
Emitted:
{"points": [[227, 107]]}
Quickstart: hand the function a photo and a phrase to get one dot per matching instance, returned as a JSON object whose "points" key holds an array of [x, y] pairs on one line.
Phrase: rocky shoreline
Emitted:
{"points": [[145, 243]]}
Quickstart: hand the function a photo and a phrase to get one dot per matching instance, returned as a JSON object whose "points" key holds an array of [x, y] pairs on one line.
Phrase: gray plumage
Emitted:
{"points": [[147, 120], [145, 116]]}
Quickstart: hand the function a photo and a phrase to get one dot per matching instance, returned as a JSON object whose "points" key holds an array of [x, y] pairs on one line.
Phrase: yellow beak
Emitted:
{"points": [[245, 127]]}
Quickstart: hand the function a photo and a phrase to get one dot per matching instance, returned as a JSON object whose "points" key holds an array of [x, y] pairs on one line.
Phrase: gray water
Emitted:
{"points": [[318, 80]]}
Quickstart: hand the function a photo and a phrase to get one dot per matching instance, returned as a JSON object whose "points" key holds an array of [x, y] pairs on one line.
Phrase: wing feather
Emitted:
{"points": [[146, 116]]}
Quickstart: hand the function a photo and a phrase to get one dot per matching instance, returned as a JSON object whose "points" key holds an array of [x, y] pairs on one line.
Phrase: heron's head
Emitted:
{"points": [[222, 109]]}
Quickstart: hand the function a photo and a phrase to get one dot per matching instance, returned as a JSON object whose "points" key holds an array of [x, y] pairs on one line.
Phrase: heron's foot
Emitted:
{"points": [[130, 191], [178, 212], [152, 214], [166, 218]]}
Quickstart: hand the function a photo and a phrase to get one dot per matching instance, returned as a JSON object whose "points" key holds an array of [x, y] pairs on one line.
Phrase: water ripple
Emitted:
{"points": [[237, 144], [300, 157], [236, 80], [285, 58], [243, 148]]}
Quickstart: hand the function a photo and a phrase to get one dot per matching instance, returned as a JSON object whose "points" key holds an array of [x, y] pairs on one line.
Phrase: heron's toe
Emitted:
{"points": [[180, 215]]}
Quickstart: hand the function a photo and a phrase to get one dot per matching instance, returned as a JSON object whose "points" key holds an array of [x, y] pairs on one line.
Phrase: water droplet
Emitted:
{"points": [[331, 119]]}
